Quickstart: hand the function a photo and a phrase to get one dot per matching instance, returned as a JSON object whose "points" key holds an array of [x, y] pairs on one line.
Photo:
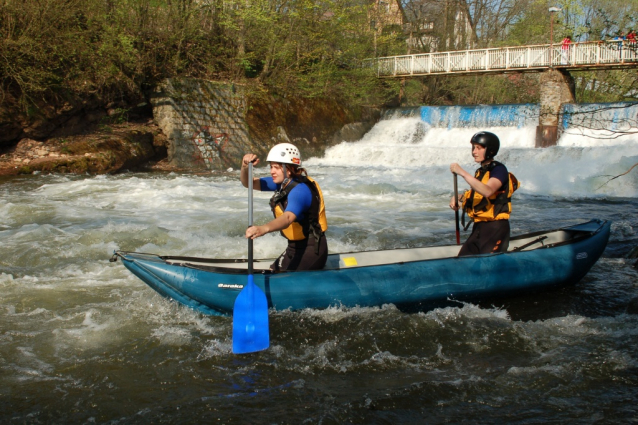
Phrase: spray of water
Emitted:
{"points": [[400, 150]]}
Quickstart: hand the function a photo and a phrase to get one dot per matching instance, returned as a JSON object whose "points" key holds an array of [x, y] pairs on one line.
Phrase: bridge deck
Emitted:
{"points": [[589, 55]]}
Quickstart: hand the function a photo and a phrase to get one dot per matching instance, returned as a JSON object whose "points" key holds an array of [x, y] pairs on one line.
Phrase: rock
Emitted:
{"points": [[120, 148], [282, 137], [312, 120], [351, 132], [39, 129]]}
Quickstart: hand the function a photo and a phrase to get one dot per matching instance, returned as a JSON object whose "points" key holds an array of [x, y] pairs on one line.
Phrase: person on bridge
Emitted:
{"points": [[619, 39], [567, 41], [489, 201], [631, 44], [297, 205]]}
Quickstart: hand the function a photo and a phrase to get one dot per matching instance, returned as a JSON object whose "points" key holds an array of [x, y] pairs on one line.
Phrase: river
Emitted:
{"points": [[84, 341]]}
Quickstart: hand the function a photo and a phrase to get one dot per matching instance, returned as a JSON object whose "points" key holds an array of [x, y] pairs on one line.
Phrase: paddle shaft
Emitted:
{"points": [[250, 312], [456, 210], [250, 216]]}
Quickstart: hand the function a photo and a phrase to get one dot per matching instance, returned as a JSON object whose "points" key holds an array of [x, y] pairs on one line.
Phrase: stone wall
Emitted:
{"points": [[210, 125], [204, 122]]}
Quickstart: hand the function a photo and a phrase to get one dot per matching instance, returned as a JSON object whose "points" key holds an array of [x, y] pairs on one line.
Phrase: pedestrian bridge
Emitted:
{"points": [[579, 56]]}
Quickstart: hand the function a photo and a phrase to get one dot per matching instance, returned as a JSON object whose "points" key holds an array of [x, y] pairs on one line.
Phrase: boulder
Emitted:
{"points": [[351, 132], [125, 148]]}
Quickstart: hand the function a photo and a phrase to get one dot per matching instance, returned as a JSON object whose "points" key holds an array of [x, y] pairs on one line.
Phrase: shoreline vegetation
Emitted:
{"points": [[76, 75]]}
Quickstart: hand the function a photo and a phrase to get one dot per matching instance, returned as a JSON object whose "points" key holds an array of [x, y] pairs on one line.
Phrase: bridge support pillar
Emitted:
{"points": [[557, 87]]}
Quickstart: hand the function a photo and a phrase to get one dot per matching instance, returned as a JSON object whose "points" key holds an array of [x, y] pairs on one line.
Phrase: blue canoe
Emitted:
{"points": [[404, 277]]}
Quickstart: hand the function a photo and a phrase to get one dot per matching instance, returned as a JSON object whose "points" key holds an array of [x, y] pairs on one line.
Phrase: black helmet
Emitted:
{"points": [[489, 141]]}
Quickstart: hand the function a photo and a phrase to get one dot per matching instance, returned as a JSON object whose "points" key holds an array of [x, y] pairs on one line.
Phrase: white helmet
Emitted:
{"points": [[284, 153]]}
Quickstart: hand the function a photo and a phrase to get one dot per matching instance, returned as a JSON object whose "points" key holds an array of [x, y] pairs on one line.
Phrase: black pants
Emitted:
{"points": [[487, 237], [301, 255]]}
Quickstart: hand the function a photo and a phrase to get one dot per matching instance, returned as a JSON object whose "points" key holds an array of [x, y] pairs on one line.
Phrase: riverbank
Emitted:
{"points": [[173, 135], [104, 149]]}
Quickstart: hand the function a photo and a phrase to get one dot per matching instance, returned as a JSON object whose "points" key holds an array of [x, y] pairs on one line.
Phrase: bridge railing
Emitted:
{"points": [[521, 58]]}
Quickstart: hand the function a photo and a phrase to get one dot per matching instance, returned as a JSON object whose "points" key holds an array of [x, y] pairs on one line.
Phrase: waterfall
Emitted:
{"points": [[583, 161]]}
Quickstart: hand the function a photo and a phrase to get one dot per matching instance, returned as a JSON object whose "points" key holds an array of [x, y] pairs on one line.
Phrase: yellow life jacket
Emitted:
{"points": [[496, 207], [314, 221]]}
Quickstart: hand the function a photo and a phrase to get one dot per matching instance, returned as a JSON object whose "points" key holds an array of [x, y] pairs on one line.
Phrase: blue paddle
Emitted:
{"points": [[250, 313], [456, 212]]}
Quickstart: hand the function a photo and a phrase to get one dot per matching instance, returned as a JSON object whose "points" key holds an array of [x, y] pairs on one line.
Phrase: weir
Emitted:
{"points": [[476, 116], [608, 120], [617, 117], [557, 91]]}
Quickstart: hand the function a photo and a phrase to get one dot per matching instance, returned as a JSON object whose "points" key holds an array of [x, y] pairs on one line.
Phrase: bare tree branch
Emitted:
{"points": [[619, 175]]}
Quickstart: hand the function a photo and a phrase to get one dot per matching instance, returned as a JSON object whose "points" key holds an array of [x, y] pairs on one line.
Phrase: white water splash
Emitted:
{"points": [[402, 151]]}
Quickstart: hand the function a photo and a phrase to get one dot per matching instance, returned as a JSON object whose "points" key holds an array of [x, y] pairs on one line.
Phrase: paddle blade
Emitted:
{"points": [[250, 320]]}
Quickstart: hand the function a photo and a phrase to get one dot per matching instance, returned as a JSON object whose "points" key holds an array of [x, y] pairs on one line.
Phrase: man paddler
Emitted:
{"points": [[489, 201]]}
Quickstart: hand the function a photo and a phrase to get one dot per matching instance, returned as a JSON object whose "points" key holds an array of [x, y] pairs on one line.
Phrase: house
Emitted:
{"points": [[428, 25], [386, 15]]}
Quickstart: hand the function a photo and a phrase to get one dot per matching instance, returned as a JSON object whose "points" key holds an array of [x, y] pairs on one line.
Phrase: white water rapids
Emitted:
{"points": [[84, 341]]}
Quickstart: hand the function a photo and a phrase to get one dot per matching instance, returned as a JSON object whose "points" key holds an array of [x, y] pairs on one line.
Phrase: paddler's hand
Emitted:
{"points": [[455, 168], [453, 205], [243, 175], [253, 232], [248, 158]]}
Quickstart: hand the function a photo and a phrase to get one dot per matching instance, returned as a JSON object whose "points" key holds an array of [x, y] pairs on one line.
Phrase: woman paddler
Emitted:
{"points": [[298, 207]]}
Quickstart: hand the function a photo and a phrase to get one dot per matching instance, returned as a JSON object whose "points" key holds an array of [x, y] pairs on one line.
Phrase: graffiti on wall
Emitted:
{"points": [[210, 146]]}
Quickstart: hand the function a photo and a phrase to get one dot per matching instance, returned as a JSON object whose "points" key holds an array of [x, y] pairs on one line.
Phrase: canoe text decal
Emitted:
{"points": [[230, 286], [581, 255]]}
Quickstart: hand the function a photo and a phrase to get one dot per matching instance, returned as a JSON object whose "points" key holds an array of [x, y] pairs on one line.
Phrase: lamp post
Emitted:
{"points": [[552, 10]]}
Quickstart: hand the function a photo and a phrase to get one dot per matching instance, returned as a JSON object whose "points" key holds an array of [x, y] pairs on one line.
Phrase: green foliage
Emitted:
{"points": [[533, 27], [584, 20], [57, 52], [114, 49], [608, 18], [606, 86], [472, 90], [119, 116]]}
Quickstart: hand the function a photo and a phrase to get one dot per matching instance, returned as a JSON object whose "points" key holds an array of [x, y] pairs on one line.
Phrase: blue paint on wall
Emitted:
{"points": [[516, 115], [616, 116]]}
